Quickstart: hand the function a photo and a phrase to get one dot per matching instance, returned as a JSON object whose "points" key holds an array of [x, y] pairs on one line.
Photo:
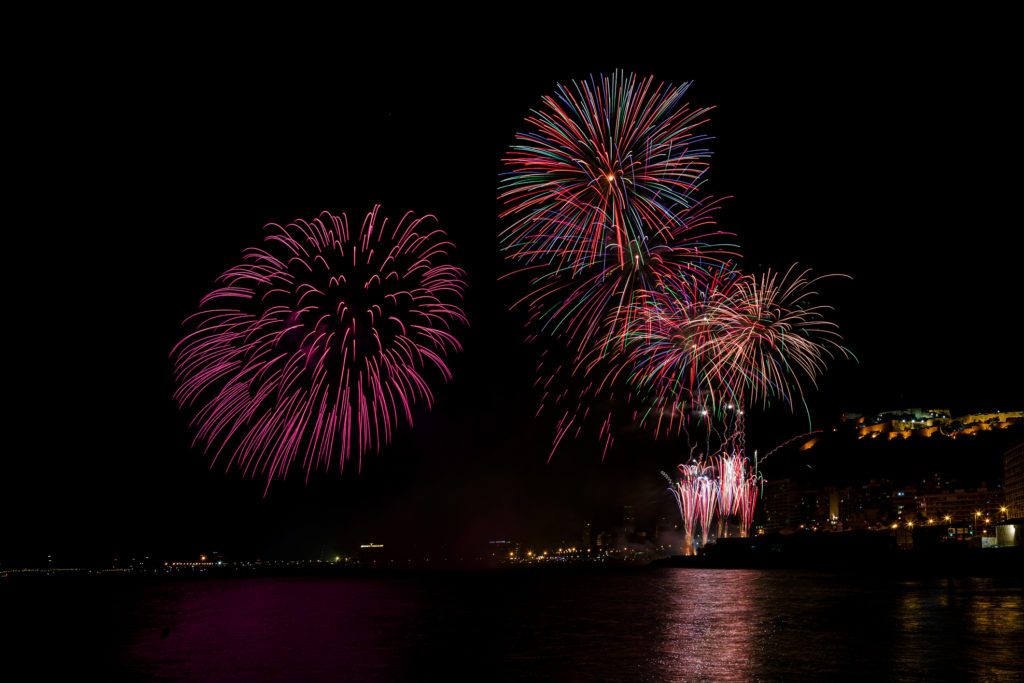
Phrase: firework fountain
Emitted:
{"points": [[687, 497]]}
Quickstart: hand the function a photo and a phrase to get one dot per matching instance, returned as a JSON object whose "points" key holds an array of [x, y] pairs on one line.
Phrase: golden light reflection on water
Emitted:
{"points": [[738, 625], [995, 621], [976, 622]]}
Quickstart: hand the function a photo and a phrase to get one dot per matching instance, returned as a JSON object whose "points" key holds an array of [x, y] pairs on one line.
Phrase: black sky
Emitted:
{"points": [[148, 165]]}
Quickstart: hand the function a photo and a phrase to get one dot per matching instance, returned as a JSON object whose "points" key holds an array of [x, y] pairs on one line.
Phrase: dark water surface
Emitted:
{"points": [[644, 625]]}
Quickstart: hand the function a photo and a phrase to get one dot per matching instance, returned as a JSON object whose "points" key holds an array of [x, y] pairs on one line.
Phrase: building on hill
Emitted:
{"points": [[914, 422]]}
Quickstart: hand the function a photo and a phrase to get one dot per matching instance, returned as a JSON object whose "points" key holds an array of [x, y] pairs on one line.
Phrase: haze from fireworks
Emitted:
{"points": [[319, 343]]}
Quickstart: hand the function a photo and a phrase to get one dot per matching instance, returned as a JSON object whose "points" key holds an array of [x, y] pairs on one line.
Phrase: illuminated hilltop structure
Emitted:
{"points": [[915, 422]]}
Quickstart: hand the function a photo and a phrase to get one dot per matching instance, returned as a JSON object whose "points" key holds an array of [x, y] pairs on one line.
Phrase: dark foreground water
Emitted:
{"points": [[642, 625]]}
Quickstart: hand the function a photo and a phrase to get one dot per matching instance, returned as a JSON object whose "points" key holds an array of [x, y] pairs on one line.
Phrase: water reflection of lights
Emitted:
{"points": [[714, 621], [980, 618]]}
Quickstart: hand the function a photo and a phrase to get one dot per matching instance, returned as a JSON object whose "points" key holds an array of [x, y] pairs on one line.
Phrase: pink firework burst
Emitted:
{"points": [[319, 343]]}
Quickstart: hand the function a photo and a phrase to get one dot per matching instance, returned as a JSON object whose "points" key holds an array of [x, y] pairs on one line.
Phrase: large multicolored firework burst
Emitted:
{"points": [[606, 169], [319, 343]]}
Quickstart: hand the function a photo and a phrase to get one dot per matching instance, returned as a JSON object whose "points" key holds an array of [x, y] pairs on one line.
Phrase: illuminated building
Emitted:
{"points": [[1013, 472], [964, 508], [373, 553], [781, 504]]}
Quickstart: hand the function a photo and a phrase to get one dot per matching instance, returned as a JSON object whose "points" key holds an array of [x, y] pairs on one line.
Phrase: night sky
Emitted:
{"points": [[883, 154]]}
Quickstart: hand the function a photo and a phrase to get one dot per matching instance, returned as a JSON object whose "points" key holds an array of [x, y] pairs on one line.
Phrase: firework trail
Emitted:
{"points": [[319, 343]]}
